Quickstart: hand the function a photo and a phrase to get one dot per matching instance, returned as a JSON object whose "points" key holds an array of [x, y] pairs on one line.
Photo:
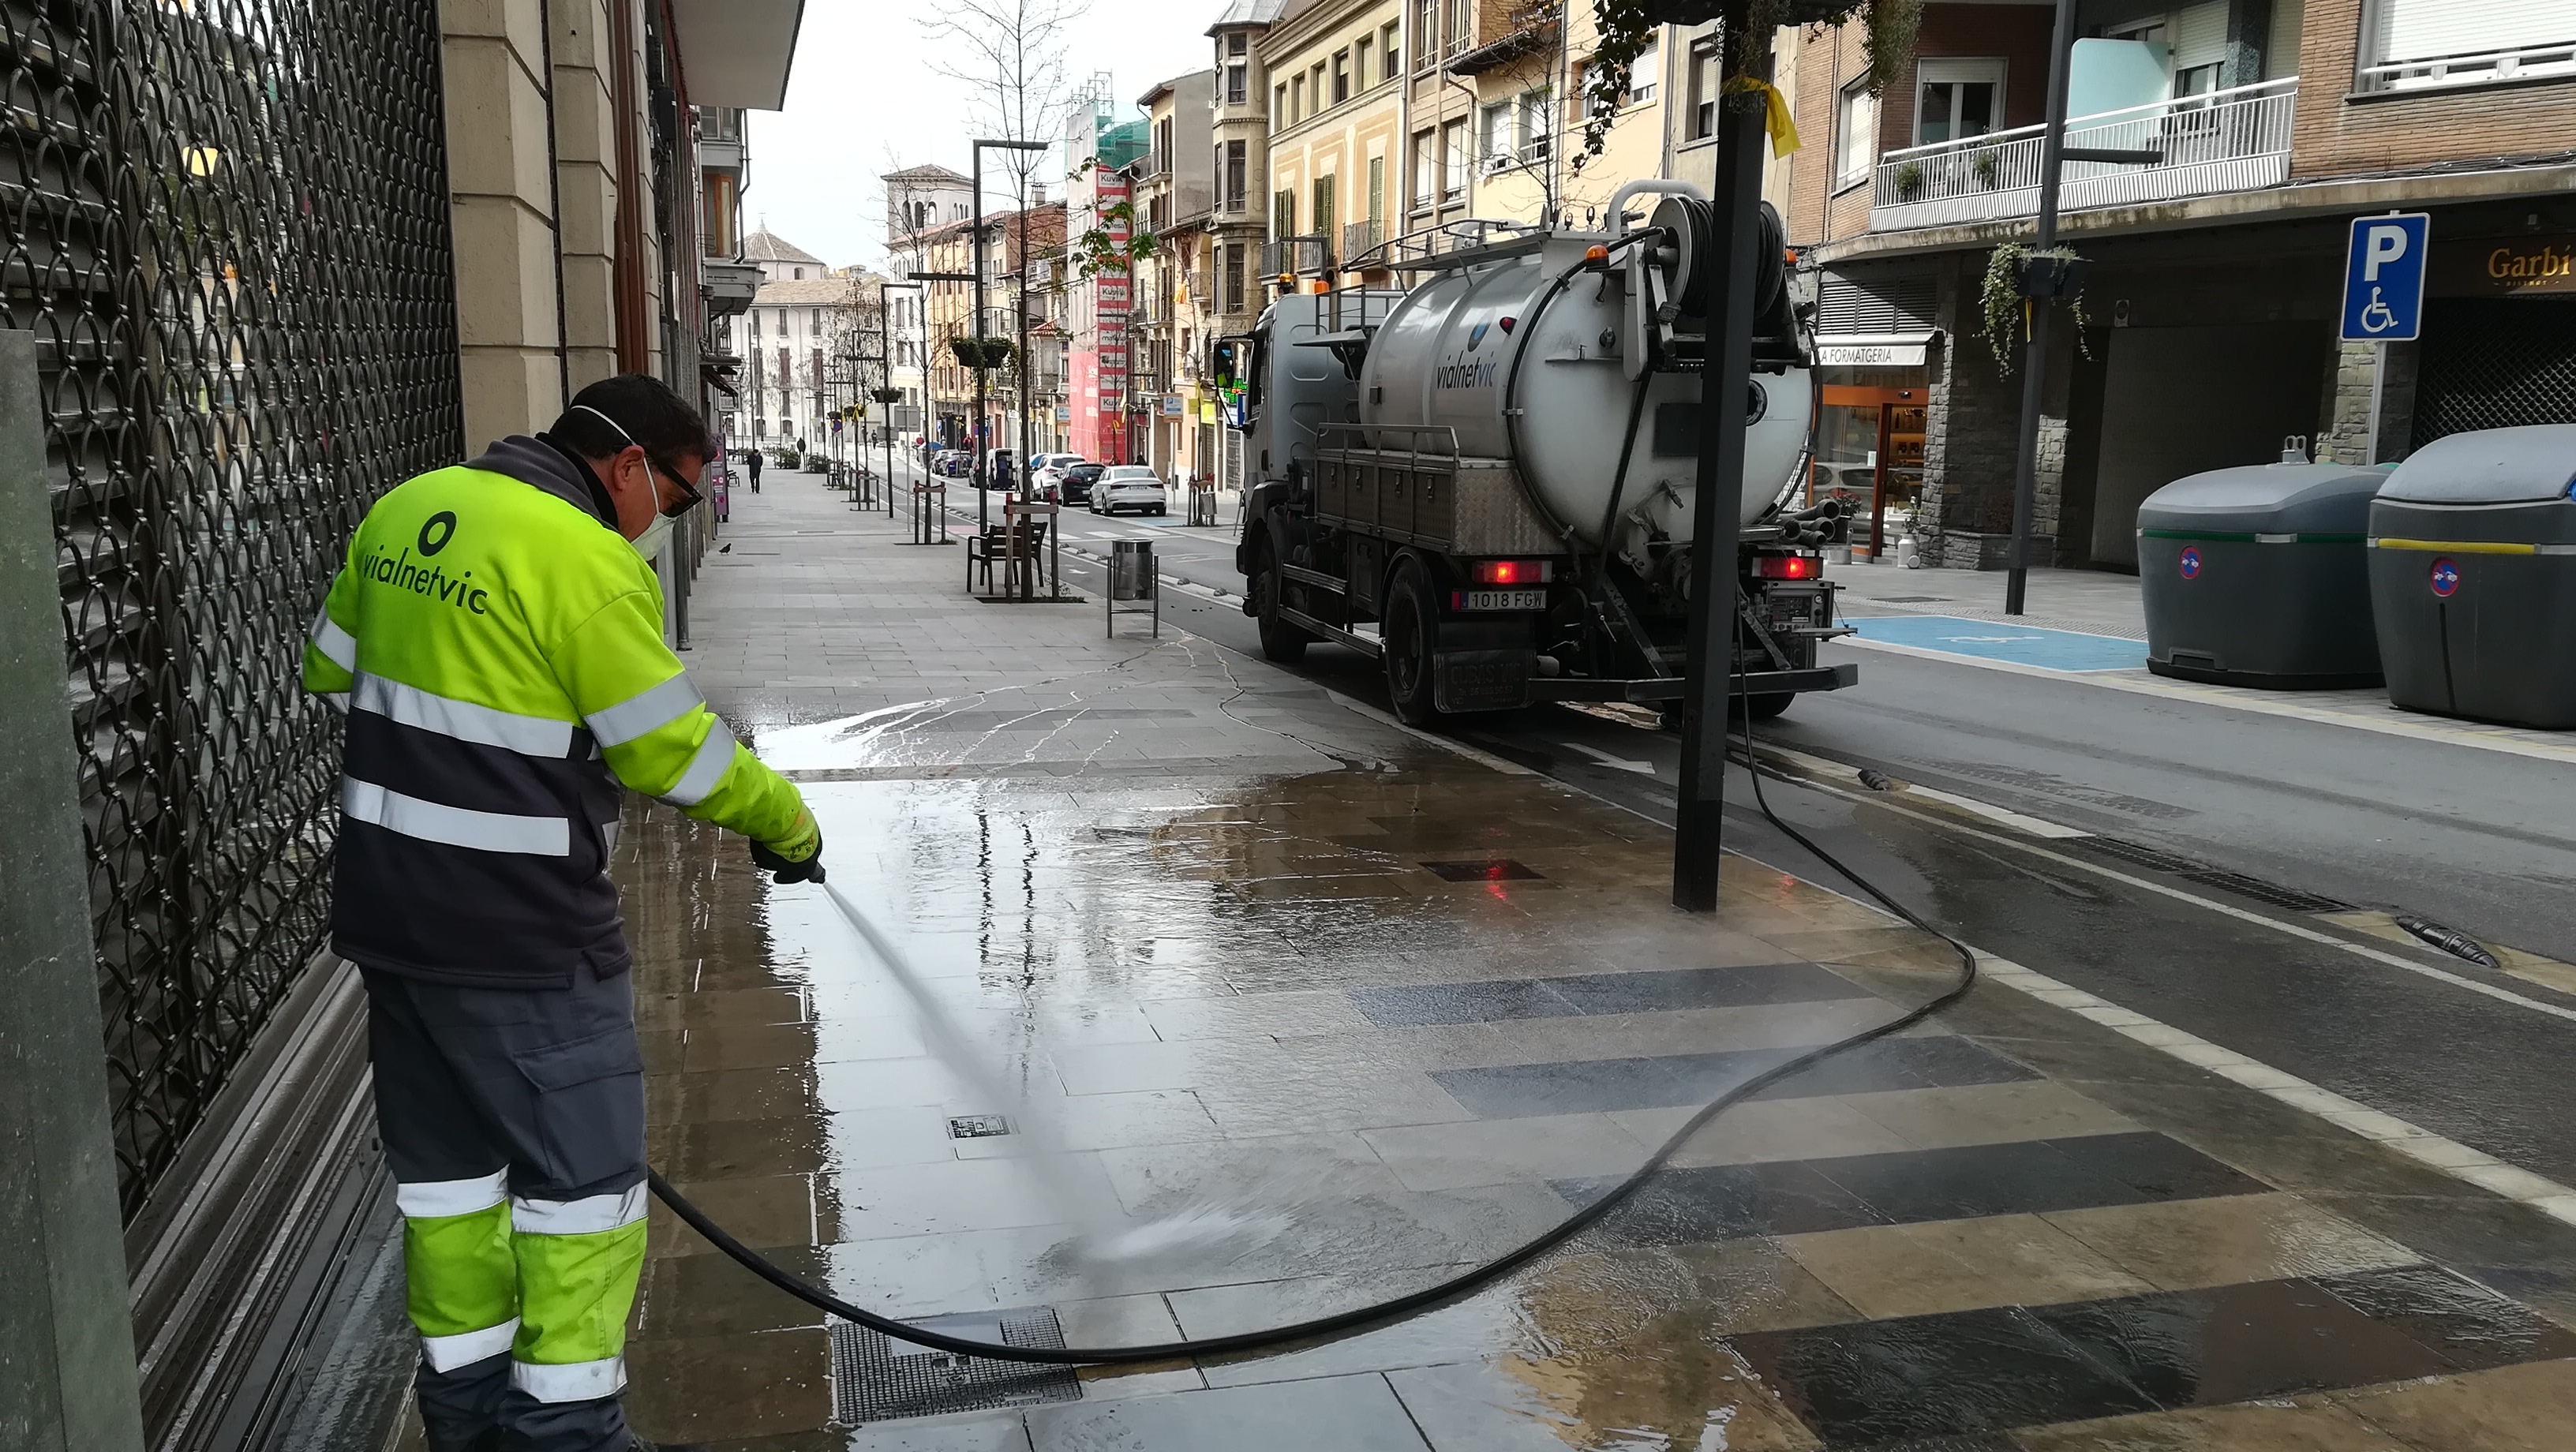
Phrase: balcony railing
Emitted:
{"points": [[2224, 141], [1302, 256], [1358, 237], [1155, 164]]}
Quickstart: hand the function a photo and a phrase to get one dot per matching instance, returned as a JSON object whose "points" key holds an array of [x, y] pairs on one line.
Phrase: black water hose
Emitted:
{"points": [[1431, 1297]]}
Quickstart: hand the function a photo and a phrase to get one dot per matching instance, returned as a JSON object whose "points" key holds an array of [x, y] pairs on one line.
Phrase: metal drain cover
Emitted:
{"points": [[876, 1378], [978, 1126]]}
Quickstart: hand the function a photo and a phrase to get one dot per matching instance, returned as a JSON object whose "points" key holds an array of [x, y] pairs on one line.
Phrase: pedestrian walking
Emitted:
{"points": [[495, 638], [755, 471]]}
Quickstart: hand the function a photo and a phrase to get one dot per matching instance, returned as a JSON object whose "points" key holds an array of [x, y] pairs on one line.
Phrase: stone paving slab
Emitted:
{"points": [[1200, 966]]}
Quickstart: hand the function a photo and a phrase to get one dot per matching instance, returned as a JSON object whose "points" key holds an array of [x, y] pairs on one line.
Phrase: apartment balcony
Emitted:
{"points": [[2223, 141], [1308, 256], [1154, 166], [1358, 238]]}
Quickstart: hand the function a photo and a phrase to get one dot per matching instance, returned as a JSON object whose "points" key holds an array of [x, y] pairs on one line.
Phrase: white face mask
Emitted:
{"points": [[649, 543]]}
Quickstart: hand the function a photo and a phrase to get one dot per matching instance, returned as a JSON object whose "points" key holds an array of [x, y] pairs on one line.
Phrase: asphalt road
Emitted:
{"points": [[2480, 840]]}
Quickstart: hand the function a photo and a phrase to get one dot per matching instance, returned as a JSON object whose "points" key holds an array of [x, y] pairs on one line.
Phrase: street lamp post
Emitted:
{"points": [[977, 239], [925, 277]]}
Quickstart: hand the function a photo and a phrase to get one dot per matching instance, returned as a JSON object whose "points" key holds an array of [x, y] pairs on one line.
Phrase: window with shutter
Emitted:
{"points": [[2418, 43]]}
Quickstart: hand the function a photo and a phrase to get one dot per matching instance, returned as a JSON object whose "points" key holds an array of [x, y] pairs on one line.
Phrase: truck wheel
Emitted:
{"points": [[1409, 630], [1768, 704], [1280, 641]]}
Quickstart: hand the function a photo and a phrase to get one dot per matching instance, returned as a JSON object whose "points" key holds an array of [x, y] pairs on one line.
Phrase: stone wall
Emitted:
{"points": [[2343, 433], [1972, 447]]}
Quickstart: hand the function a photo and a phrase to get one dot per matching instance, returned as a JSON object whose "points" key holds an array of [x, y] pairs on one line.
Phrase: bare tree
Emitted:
{"points": [[1010, 54]]}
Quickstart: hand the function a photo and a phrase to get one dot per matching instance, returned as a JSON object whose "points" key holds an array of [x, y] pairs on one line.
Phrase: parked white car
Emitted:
{"points": [[1129, 486], [1046, 473]]}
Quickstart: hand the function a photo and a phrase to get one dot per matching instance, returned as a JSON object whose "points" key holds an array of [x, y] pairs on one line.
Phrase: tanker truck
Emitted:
{"points": [[1486, 480]]}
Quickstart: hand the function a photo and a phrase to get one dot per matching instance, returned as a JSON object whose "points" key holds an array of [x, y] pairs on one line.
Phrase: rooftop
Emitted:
{"points": [[1240, 13], [767, 246]]}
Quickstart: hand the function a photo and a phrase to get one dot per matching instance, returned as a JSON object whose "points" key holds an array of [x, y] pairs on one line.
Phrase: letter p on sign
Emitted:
{"points": [[2383, 278], [2387, 244]]}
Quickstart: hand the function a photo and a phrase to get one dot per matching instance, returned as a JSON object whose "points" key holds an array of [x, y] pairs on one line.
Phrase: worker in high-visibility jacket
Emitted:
{"points": [[496, 639]]}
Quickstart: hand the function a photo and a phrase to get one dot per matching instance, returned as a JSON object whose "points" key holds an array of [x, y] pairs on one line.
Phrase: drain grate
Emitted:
{"points": [[2142, 855], [1493, 869], [978, 1126], [2270, 892], [875, 1378], [2207, 876]]}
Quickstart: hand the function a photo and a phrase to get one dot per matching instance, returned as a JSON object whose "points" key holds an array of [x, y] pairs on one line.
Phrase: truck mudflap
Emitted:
{"points": [[1673, 688]]}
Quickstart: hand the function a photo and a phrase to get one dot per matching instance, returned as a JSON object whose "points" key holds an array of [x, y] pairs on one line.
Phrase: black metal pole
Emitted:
{"points": [[1716, 512], [2034, 379], [975, 330]]}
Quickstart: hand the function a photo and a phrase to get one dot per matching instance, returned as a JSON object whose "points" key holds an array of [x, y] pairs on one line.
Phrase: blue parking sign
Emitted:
{"points": [[2383, 278]]}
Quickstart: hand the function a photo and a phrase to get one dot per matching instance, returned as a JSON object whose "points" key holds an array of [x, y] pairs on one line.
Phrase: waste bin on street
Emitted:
{"points": [[1133, 584], [2473, 577], [2259, 576]]}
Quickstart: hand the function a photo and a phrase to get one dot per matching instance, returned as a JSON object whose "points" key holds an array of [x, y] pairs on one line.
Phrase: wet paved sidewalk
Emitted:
{"points": [[1335, 1011]]}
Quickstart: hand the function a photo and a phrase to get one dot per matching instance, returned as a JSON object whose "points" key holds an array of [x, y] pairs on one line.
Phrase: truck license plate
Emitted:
{"points": [[1507, 599]]}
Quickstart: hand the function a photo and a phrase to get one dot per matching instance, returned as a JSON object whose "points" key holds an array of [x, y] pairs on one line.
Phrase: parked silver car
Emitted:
{"points": [[1129, 486]]}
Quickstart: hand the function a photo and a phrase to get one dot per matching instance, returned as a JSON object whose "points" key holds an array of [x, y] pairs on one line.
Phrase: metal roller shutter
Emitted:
{"points": [[2423, 29]]}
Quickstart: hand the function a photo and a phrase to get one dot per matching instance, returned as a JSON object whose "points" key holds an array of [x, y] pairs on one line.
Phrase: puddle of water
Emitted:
{"points": [[1196, 1233]]}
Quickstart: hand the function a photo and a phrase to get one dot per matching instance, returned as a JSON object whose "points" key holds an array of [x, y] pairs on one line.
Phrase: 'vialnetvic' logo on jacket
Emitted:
{"points": [[432, 581]]}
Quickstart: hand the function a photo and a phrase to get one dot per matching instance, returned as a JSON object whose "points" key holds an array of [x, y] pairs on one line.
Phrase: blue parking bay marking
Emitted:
{"points": [[2029, 645]]}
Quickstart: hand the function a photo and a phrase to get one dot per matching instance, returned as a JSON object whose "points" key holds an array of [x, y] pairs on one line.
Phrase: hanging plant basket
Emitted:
{"points": [[2019, 278], [982, 354]]}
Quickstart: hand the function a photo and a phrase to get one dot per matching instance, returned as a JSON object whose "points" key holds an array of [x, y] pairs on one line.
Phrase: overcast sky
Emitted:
{"points": [[864, 89]]}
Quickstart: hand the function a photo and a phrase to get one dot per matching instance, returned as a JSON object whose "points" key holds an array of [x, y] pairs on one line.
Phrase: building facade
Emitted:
{"points": [[387, 233], [1336, 135], [918, 201], [1012, 240], [2214, 269], [1102, 151], [1173, 191]]}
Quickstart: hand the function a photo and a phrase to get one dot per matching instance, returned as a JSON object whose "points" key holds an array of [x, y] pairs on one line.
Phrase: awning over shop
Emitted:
{"points": [[1874, 350]]}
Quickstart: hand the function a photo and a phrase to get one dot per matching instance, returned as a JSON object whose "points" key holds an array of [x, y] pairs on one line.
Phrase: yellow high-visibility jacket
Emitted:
{"points": [[498, 647]]}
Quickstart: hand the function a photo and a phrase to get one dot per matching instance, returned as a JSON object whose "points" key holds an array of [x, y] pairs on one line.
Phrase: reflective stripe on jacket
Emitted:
{"points": [[499, 651]]}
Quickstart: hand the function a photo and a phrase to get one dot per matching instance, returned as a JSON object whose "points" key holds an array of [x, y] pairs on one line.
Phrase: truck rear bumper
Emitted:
{"points": [[1673, 688]]}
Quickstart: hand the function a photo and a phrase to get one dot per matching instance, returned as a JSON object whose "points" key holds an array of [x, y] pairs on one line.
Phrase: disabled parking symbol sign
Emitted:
{"points": [[2446, 578], [2383, 278], [2191, 562]]}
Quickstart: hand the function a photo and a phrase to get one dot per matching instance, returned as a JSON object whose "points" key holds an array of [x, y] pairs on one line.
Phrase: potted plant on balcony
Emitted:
{"points": [[1909, 181], [1987, 169]]}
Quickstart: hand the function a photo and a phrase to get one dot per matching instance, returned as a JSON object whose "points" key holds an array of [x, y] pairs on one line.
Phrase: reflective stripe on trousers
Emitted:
{"points": [[552, 1282]]}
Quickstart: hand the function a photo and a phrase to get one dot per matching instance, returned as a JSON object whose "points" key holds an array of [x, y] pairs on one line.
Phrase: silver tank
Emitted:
{"points": [[1445, 353]]}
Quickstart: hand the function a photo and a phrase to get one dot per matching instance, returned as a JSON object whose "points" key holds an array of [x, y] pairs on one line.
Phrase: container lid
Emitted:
{"points": [[2492, 466], [2267, 499]]}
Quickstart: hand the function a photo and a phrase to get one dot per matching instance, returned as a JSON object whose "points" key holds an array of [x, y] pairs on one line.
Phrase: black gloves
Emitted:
{"points": [[809, 870]]}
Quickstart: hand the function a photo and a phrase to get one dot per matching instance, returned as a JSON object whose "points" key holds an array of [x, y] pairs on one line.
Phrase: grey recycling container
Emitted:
{"points": [[2473, 577], [2258, 576]]}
